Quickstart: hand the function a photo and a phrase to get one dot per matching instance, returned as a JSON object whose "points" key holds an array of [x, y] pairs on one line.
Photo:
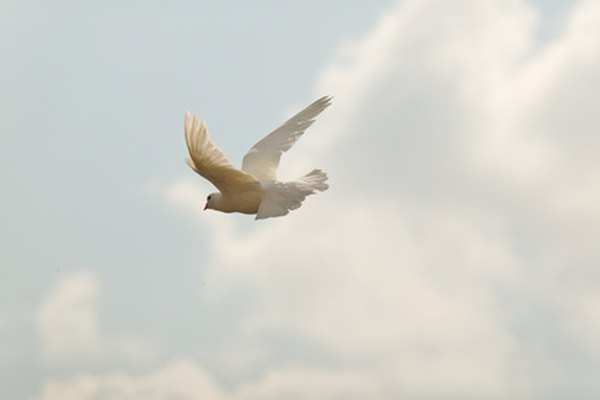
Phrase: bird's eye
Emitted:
{"points": [[208, 198]]}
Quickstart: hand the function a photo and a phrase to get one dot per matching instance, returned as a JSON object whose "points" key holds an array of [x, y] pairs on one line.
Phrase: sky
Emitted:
{"points": [[454, 256]]}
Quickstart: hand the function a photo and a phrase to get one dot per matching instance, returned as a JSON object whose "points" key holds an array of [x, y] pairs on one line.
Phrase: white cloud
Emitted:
{"points": [[181, 379], [185, 380], [67, 319], [438, 81], [461, 219], [314, 383], [358, 282], [69, 328]]}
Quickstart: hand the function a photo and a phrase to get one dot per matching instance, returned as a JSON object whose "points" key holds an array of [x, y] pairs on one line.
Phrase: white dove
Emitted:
{"points": [[255, 189]]}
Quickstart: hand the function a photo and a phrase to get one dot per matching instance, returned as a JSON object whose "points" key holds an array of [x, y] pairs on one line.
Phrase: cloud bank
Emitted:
{"points": [[70, 332], [454, 256]]}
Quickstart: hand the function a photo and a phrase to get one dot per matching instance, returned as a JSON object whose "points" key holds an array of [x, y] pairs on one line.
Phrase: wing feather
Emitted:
{"points": [[262, 160], [208, 161]]}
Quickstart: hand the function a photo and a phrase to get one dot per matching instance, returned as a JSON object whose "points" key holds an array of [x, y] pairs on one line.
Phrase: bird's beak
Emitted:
{"points": [[205, 206]]}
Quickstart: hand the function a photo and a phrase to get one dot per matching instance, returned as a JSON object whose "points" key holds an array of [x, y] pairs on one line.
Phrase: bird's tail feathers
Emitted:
{"points": [[314, 180], [282, 197]]}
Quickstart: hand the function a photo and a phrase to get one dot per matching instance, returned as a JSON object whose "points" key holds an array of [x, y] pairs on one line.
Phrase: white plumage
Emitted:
{"points": [[255, 189]]}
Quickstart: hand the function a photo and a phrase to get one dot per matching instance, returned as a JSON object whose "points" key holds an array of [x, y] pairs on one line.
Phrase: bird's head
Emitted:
{"points": [[212, 201]]}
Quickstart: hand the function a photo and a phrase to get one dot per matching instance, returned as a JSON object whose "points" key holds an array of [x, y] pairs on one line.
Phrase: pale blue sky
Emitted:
{"points": [[455, 244]]}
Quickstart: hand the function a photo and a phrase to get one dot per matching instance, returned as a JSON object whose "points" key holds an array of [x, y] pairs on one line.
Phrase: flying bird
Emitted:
{"points": [[255, 188]]}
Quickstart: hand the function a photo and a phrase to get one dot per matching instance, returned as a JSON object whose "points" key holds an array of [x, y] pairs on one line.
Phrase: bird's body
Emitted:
{"points": [[245, 202], [255, 189]]}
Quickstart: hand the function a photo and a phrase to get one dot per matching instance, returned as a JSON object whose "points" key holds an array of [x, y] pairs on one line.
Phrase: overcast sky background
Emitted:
{"points": [[455, 255]]}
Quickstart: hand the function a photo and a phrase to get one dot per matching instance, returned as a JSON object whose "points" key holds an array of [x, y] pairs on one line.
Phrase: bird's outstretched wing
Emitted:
{"points": [[208, 161], [262, 159]]}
